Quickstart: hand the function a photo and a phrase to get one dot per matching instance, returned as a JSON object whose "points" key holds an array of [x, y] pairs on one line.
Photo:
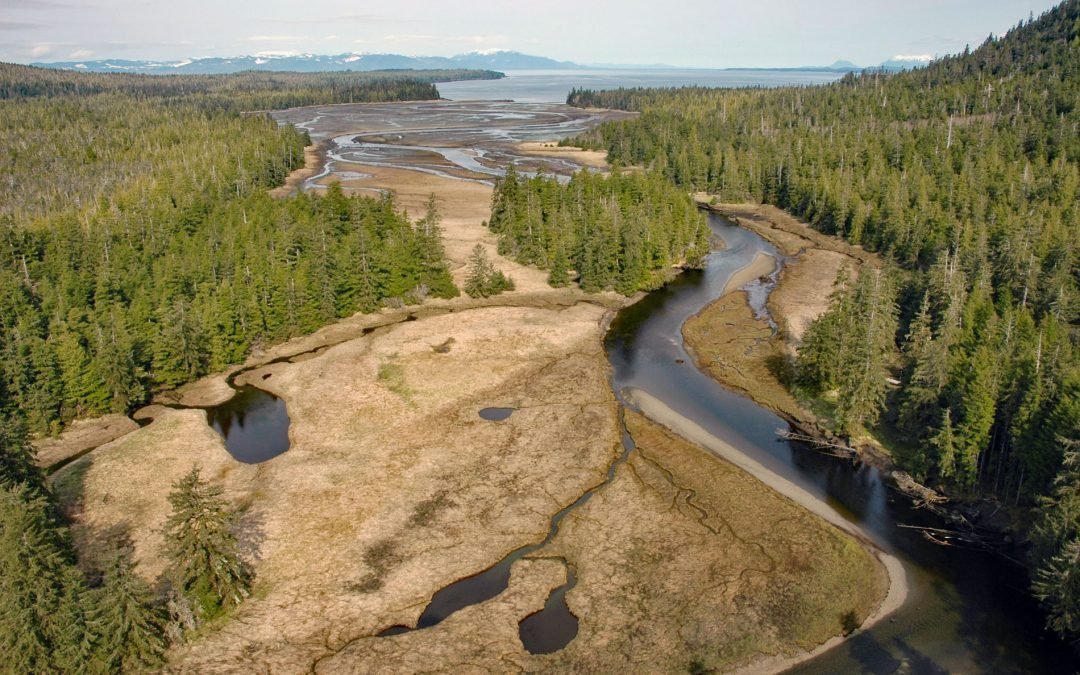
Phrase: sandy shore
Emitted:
{"points": [[313, 161], [658, 411], [596, 159], [762, 265]]}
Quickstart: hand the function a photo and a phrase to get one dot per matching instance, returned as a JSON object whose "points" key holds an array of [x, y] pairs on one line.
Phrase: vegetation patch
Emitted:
{"points": [[392, 376]]}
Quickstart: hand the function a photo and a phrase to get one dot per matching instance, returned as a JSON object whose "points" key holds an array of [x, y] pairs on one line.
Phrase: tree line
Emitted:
{"points": [[245, 91], [627, 231], [139, 249], [965, 175]]}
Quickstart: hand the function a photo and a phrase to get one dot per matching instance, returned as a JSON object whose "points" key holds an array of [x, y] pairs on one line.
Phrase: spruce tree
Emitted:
{"points": [[1057, 548], [129, 628], [484, 280], [434, 272], [206, 567], [16, 454], [865, 368], [559, 275], [919, 402], [40, 589]]}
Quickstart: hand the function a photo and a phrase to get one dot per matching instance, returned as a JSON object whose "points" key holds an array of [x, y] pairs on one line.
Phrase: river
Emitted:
{"points": [[967, 611]]}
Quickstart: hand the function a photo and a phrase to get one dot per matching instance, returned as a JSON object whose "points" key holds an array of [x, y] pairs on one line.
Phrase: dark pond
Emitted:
{"points": [[254, 424], [497, 414], [553, 627], [967, 611], [494, 580]]}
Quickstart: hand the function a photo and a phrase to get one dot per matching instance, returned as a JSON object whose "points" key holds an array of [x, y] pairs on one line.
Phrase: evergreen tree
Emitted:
{"points": [[824, 344], [484, 280], [40, 589], [865, 369], [205, 563], [1057, 548], [434, 272], [17, 455], [129, 628], [924, 356], [559, 274], [944, 442]]}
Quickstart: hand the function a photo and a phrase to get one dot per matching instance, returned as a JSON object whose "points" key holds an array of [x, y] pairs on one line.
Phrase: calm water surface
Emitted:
{"points": [[967, 611], [254, 424], [552, 86]]}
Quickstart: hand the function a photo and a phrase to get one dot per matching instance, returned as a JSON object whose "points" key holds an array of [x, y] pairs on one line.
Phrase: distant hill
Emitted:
{"points": [[306, 63], [484, 60]]}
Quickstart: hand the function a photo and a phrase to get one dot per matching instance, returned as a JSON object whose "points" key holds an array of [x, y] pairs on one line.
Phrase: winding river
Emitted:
{"points": [[966, 611]]}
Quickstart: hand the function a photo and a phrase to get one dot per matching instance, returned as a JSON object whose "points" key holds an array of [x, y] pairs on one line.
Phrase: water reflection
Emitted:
{"points": [[967, 610], [254, 424]]}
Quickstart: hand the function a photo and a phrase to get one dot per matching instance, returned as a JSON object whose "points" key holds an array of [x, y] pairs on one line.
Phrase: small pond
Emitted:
{"points": [[254, 424]]}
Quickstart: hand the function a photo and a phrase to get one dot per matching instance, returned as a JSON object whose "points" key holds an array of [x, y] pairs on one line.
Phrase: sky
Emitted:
{"points": [[687, 33]]}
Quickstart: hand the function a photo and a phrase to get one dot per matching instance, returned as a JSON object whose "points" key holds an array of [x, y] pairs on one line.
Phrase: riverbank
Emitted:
{"points": [[314, 157], [741, 350], [897, 587]]}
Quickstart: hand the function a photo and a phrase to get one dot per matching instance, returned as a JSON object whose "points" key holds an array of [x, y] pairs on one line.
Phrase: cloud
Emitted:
{"points": [[470, 39], [38, 51], [20, 25], [36, 4], [344, 18], [278, 38], [913, 57], [80, 54]]}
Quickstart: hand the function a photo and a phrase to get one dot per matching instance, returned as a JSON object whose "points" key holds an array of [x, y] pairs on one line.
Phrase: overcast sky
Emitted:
{"points": [[701, 33]]}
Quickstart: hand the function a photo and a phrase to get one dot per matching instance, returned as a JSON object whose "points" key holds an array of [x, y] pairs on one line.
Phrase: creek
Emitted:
{"points": [[966, 611]]}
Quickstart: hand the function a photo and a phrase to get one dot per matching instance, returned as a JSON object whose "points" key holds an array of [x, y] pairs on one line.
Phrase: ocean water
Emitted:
{"points": [[552, 86]]}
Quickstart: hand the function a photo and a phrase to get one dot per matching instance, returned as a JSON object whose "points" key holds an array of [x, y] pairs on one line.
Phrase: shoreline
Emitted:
{"points": [[762, 265], [801, 294], [314, 158], [897, 592]]}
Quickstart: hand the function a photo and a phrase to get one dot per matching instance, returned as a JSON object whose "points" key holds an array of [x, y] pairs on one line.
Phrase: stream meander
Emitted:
{"points": [[966, 611]]}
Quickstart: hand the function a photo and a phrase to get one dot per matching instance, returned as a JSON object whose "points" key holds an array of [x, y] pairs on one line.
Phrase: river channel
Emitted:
{"points": [[967, 611]]}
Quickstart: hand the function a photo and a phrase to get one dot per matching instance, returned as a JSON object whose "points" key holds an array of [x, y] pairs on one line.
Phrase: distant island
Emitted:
{"points": [[350, 61]]}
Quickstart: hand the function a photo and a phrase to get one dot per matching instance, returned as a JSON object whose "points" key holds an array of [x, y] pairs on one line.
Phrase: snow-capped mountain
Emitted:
{"points": [[494, 60]]}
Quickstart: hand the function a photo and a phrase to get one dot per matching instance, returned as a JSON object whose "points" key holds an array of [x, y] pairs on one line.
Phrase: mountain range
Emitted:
{"points": [[492, 60], [486, 60]]}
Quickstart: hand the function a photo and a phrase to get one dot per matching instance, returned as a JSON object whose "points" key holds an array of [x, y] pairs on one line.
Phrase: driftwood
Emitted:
{"points": [[819, 443], [920, 493], [990, 542]]}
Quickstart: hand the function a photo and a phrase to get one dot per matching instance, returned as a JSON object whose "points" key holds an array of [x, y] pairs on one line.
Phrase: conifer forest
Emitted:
{"points": [[142, 248], [965, 175]]}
